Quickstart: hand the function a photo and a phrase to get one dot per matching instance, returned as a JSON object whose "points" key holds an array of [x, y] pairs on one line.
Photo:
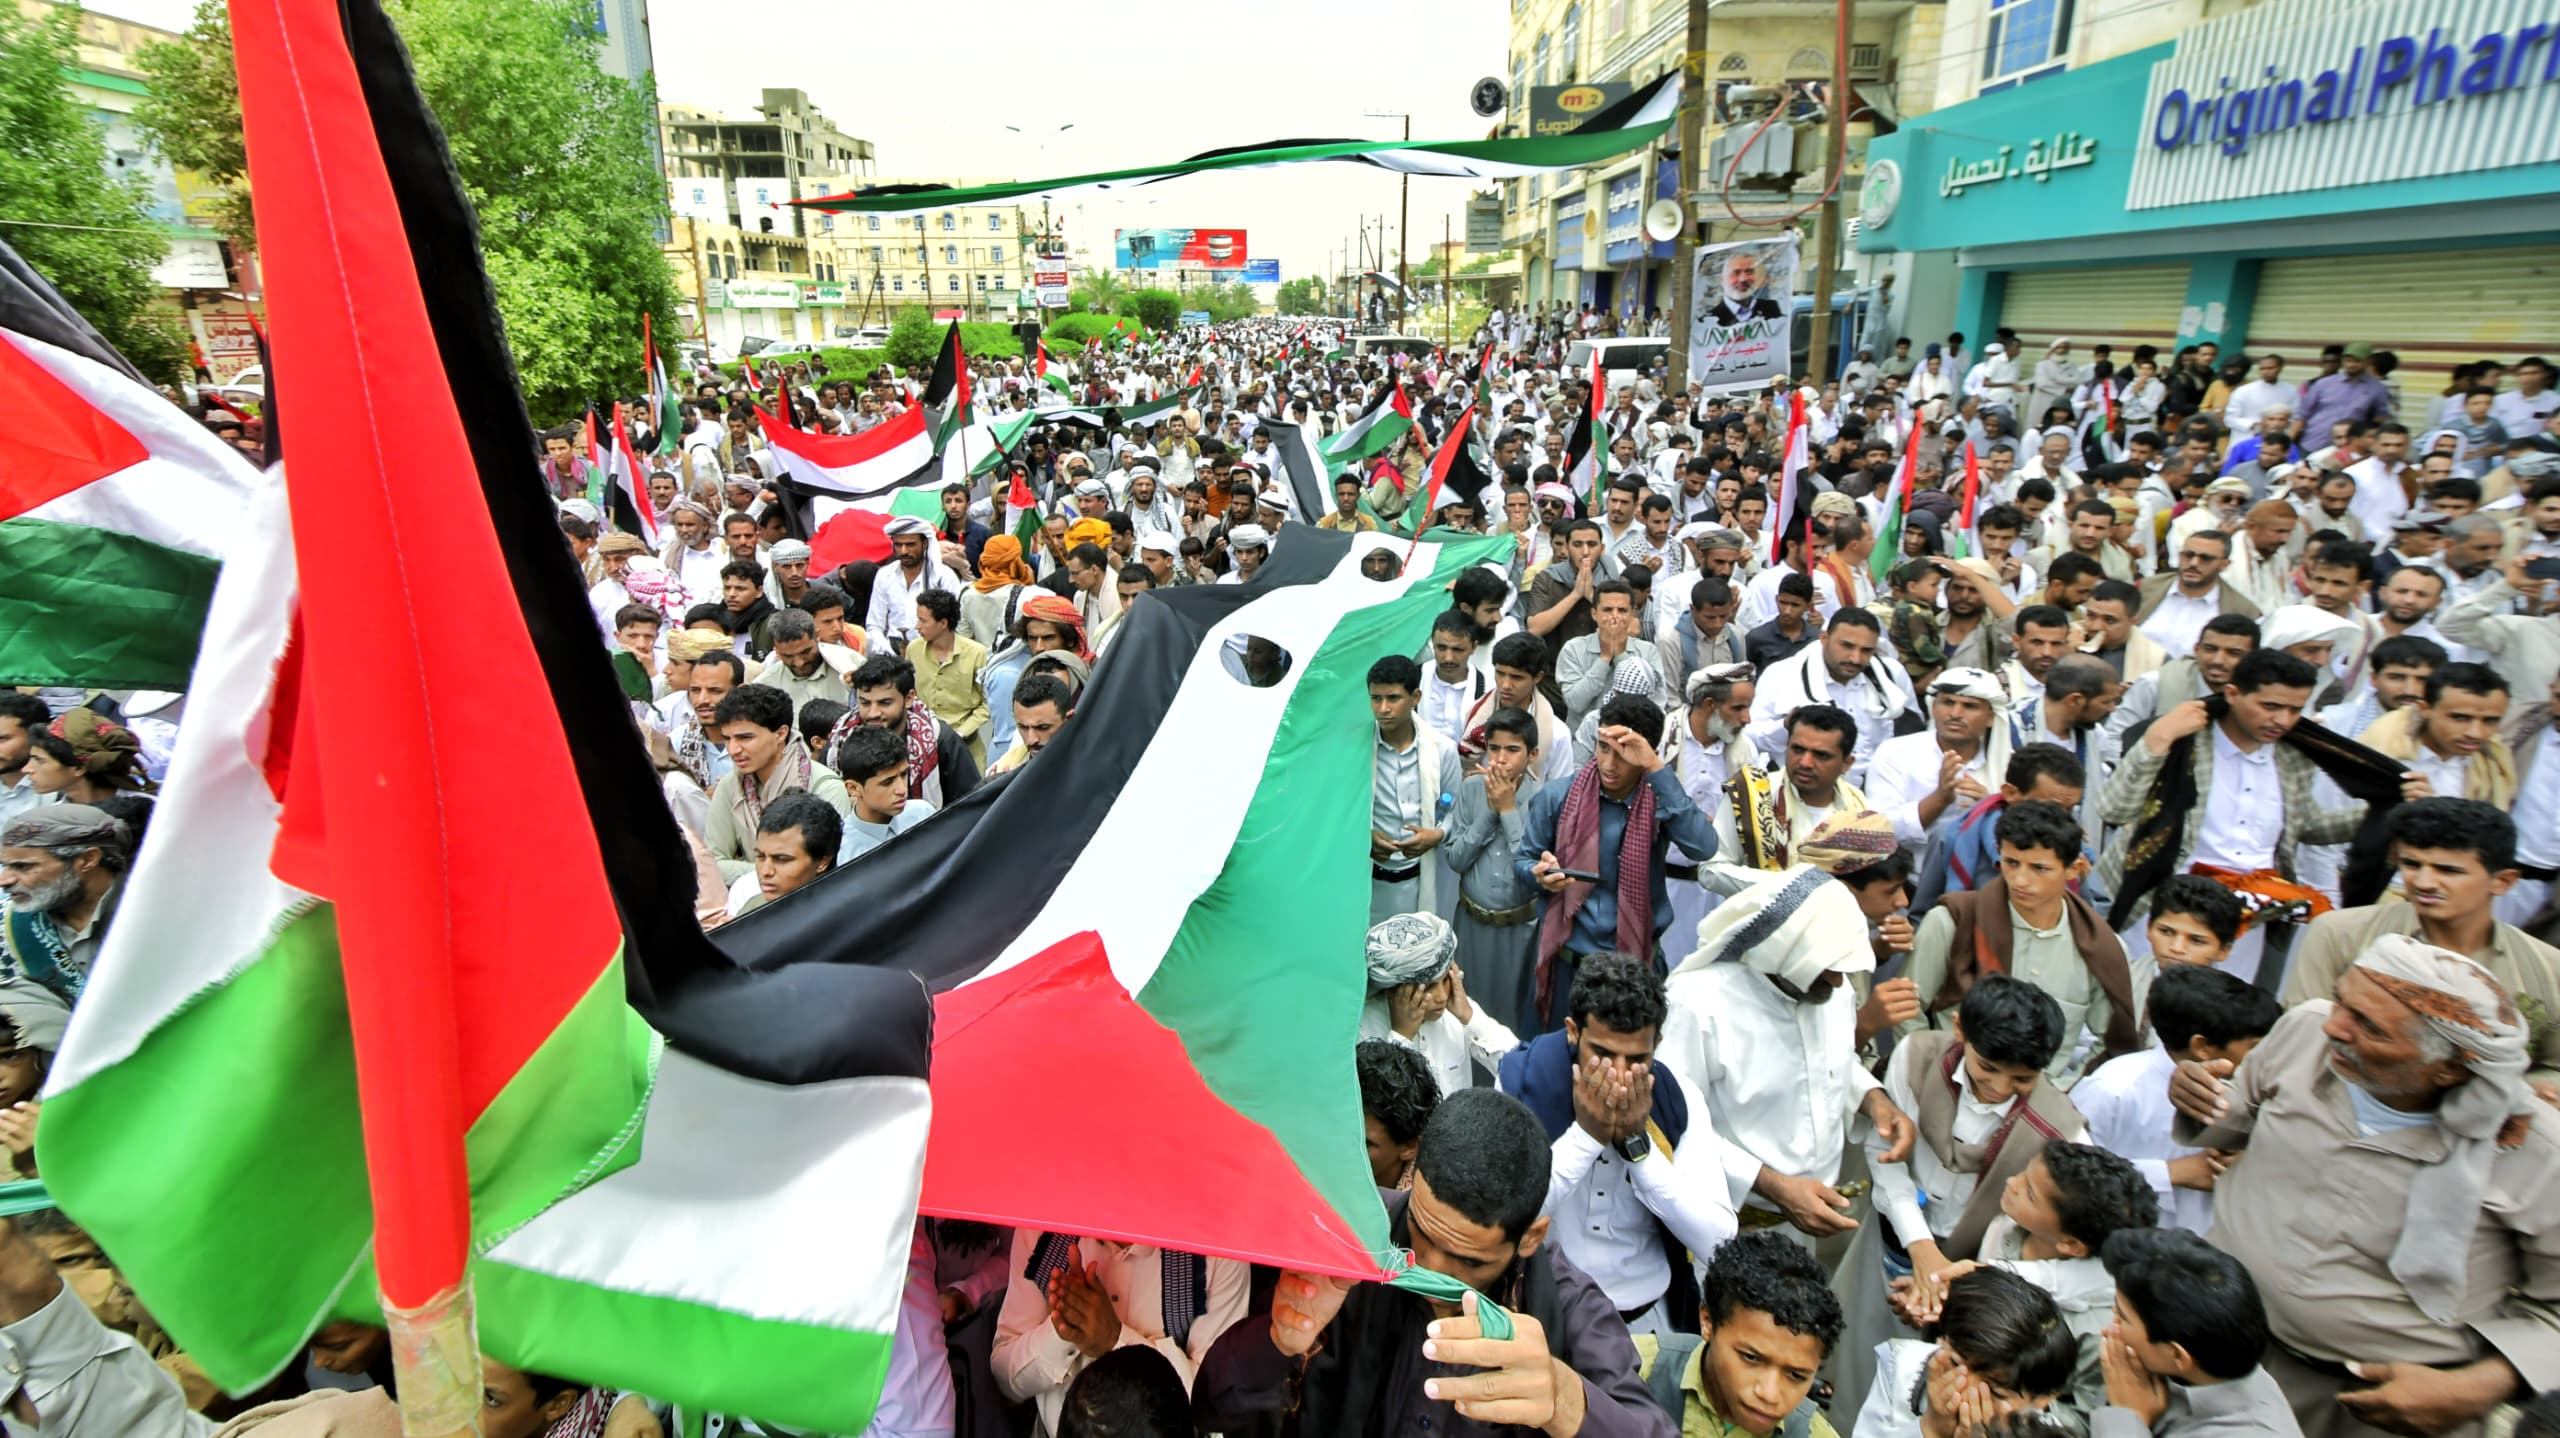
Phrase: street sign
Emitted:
{"points": [[1262, 272], [1484, 223], [1488, 97]]}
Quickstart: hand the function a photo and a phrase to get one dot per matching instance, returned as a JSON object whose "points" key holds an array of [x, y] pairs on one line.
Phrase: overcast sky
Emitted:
{"points": [[933, 87]]}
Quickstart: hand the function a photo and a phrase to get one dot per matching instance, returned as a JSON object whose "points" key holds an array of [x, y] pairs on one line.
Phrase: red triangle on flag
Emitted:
{"points": [[60, 441], [1020, 495], [854, 534]]}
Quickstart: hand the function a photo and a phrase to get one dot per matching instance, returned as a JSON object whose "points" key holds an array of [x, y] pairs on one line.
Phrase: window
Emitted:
{"points": [[1617, 17], [876, 256], [950, 221], [898, 283], [1572, 46], [982, 284], [952, 284], [874, 219], [2025, 40], [995, 223], [1519, 82], [1736, 63], [1540, 70], [951, 254]]}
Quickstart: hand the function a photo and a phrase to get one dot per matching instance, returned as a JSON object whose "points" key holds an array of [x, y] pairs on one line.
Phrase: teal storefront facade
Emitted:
{"points": [[2400, 158]]}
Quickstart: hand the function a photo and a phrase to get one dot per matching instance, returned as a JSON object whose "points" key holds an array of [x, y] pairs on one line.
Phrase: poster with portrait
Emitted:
{"points": [[1744, 301]]}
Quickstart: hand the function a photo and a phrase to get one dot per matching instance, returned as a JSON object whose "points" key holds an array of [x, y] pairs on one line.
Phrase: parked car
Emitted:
{"points": [[787, 347], [1410, 346], [245, 390], [1621, 360]]}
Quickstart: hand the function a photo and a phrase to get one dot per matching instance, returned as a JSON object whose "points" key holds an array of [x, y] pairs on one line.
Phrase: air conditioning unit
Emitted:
{"points": [[1866, 62]]}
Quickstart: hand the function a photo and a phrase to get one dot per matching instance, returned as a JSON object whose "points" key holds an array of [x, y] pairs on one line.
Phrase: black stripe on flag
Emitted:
{"points": [[807, 1023], [1021, 832], [1304, 470], [31, 306]]}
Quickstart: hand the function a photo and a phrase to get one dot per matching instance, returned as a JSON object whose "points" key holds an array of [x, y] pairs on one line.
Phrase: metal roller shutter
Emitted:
{"points": [[2433, 308], [2123, 307]]}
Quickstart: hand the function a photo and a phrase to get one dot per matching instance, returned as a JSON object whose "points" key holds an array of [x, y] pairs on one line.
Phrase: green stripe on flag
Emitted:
{"points": [[1252, 1031], [633, 1341], [923, 502], [276, 1118], [99, 607]]}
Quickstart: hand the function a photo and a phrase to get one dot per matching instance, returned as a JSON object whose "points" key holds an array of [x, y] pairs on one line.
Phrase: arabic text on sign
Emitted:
{"points": [[2066, 151]]}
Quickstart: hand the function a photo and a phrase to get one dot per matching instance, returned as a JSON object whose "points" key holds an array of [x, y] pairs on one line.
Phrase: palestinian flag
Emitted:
{"points": [[857, 469], [1309, 477], [627, 493], [1004, 436], [1172, 1035], [1959, 543], [1613, 130], [1445, 461], [1375, 432], [116, 509], [666, 417], [946, 391], [536, 1083], [1791, 466], [1586, 449], [1897, 507], [1157, 411], [1024, 506], [1040, 369]]}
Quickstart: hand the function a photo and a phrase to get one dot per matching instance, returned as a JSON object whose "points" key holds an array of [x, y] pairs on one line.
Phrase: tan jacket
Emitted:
{"points": [[2157, 588]]}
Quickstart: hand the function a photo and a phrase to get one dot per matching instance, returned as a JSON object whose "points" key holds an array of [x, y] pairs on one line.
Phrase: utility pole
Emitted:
{"points": [[1819, 362], [924, 256], [1404, 232], [1693, 142], [1448, 285]]}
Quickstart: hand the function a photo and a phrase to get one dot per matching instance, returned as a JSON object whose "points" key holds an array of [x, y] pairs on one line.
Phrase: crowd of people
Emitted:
{"points": [[2086, 969]]}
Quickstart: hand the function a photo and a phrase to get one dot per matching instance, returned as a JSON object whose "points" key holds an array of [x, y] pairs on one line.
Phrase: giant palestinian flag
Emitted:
{"points": [[1374, 432], [541, 1079], [1308, 476], [1206, 1105], [115, 507], [1157, 411], [1619, 129]]}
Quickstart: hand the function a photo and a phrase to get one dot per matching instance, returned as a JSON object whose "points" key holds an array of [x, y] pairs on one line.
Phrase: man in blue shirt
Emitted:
{"points": [[2353, 393], [1582, 825]]}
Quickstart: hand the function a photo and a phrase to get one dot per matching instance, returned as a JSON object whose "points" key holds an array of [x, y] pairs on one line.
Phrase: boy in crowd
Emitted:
{"points": [[1495, 924], [2196, 1012], [2182, 1358], [1768, 1322], [2193, 921], [874, 765]]}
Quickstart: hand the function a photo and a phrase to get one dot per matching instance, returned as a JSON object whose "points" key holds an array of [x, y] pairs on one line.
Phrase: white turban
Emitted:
{"points": [[1979, 684], [2304, 624], [906, 524], [2462, 1003], [1797, 926], [1409, 949]]}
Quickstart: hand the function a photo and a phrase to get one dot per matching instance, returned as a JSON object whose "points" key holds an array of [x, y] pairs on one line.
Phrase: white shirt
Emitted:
{"points": [[1781, 1080], [2521, 414], [2126, 1103], [2378, 498], [1608, 1214], [2537, 807], [1898, 1185], [1448, 1045], [2251, 400], [17, 798], [1803, 678], [1033, 1364], [1760, 597], [1904, 770], [698, 570], [915, 1396], [2449, 777], [1444, 705], [2245, 810], [2176, 623]]}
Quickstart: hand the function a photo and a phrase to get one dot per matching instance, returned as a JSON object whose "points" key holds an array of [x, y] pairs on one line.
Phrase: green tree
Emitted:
{"points": [[192, 79], [83, 227], [1302, 297], [1099, 291], [553, 155], [914, 339], [1159, 310]]}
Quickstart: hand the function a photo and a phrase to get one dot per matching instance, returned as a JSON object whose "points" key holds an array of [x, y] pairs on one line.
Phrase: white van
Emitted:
{"points": [[1621, 360]]}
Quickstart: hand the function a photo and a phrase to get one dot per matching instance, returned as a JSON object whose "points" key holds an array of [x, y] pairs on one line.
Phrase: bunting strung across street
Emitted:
{"points": [[1632, 123]]}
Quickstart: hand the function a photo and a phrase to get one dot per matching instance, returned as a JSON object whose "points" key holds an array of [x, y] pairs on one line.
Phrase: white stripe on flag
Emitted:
{"points": [[192, 494]]}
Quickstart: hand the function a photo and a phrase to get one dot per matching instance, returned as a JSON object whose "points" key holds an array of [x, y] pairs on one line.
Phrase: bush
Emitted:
{"points": [[1161, 310], [914, 339], [989, 339], [1067, 337]]}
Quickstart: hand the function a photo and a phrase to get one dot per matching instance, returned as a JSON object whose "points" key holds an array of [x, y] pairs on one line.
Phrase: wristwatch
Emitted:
{"points": [[1633, 1149]]}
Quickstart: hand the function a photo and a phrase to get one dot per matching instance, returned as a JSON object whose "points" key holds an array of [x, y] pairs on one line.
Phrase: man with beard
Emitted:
{"points": [[1764, 819], [2226, 640], [60, 868], [2175, 607], [917, 569], [692, 556], [1744, 290], [939, 768], [1762, 1023], [1703, 749], [1977, 633], [1844, 672], [2107, 633], [1915, 778]]}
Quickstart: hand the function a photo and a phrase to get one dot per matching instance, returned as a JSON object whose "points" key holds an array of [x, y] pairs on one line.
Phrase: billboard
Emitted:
{"points": [[1262, 272], [704, 199], [1049, 278], [1484, 223], [764, 207], [1554, 109], [1185, 249]]}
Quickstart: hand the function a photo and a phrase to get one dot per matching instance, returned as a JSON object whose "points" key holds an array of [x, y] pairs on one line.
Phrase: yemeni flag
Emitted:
{"points": [[627, 495], [1375, 432], [116, 509], [1791, 468], [1589, 443], [1173, 1037], [538, 1085], [1897, 507], [1040, 369], [818, 470], [1958, 543]]}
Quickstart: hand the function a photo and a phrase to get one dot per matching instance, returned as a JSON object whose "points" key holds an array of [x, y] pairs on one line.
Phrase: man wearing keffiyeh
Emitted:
{"points": [[1595, 847], [2399, 1201]]}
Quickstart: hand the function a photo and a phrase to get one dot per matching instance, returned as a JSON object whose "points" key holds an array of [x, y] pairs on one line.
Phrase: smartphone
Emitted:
{"points": [[1579, 874], [2545, 568]]}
